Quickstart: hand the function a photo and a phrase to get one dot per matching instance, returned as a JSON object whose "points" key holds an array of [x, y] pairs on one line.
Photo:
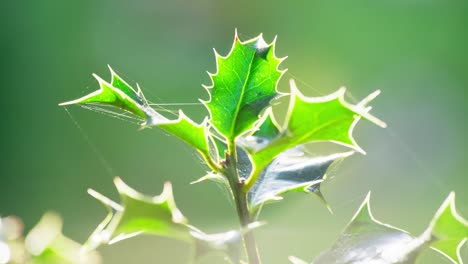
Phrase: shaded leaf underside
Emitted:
{"points": [[294, 170]]}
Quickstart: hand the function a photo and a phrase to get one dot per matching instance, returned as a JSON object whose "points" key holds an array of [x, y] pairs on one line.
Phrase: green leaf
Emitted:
{"points": [[120, 94], [367, 240], [140, 214], [268, 128], [449, 230], [294, 170], [313, 119], [243, 85]]}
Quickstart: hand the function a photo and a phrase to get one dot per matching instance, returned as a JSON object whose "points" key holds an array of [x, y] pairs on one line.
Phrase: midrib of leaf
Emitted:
{"points": [[236, 113]]}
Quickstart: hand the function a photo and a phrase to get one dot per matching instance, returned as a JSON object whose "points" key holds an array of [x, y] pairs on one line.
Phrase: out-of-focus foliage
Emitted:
{"points": [[44, 244]]}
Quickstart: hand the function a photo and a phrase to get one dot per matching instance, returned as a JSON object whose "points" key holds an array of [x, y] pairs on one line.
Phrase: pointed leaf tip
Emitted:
{"points": [[121, 95], [449, 230], [244, 84], [367, 240], [314, 119], [296, 169]]}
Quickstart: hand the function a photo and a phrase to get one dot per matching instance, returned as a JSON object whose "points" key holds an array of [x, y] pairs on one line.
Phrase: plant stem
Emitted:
{"points": [[240, 199], [210, 162]]}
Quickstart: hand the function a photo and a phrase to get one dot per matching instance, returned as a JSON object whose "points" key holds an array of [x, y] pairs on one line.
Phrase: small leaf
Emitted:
{"points": [[120, 94], [268, 128], [310, 119], [293, 170], [140, 214], [367, 240], [243, 85], [193, 134]]}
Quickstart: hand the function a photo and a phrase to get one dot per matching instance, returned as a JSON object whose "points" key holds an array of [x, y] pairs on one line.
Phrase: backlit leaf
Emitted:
{"points": [[120, 94], [140, 214], [313, 119], [243, 85]]}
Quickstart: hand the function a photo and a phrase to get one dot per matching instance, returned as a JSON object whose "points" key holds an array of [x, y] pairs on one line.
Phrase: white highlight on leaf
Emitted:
{"points": [[360, 109], [260, 44], [296, 260], [124, 236], [450, 202], [212, 176], [106, 201]]}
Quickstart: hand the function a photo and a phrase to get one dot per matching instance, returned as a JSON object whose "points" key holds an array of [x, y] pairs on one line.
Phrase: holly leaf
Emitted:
{"points": [[138, 214], [120, 94], [367, 240], [159, 216], [313, 119], [449, 230], [294, 170], [243, 85]]}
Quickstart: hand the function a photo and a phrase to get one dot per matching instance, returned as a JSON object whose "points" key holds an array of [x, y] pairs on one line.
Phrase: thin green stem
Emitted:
{"points": [[251, 180], [240, 199], [211, 163]]}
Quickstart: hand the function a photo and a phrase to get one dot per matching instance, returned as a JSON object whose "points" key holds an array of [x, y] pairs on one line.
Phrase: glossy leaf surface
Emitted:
{"points": [[243, 85], [294, 170], [366, 240]]}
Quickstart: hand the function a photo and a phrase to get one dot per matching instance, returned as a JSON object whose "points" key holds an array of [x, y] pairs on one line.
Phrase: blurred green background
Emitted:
{"points": [[414, 51]]}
